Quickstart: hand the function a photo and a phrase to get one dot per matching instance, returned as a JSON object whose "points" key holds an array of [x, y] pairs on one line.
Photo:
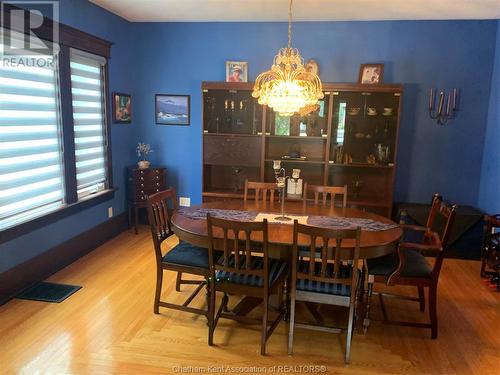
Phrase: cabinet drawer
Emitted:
{"points": [[232, 150], [137, 173]]}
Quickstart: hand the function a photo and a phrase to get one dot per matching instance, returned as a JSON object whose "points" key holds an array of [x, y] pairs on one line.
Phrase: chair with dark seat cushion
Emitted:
{"points": [[188, 255], [243, 270], [408, 266], [182, 258], [330, 276], [345, 271], [276, 269], [416, 265]]}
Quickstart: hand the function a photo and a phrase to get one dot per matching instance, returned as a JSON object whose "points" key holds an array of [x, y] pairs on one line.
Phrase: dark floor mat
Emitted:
{"points": [[49, 292]]}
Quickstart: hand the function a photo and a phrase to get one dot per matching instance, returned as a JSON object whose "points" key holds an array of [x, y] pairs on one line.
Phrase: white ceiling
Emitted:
{"points": [[303, 10]]}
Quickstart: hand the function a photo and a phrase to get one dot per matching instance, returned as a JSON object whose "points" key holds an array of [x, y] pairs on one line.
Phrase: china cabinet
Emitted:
{"points": [[349, 138]]}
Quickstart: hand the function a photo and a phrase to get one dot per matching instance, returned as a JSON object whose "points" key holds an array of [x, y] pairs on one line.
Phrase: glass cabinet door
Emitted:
{"points": [[364, 128], [310, 122], [231, 112]]}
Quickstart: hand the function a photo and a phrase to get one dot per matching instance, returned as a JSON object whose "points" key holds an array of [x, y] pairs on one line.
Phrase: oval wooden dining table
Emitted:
{"points": [[280, 236], [373, 243]]}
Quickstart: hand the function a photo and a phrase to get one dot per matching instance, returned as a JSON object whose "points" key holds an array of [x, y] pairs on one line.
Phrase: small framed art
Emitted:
{"points": [[236, 71], [122, 108], [371, 74], [172, 109]]}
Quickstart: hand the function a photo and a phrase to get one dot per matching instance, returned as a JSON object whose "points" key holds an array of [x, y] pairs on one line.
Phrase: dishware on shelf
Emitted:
{"points": [[353, 111], [372, 111], [359, 135], [387, 111], [382, 153], [288, 157]]}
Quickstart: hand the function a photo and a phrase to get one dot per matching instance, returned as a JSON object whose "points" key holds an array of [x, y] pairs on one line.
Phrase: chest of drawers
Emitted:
{"points": [[141, 183]]}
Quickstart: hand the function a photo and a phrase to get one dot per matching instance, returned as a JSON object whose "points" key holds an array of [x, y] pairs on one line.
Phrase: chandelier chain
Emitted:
{"points": [[290, 24], [288, 87]]}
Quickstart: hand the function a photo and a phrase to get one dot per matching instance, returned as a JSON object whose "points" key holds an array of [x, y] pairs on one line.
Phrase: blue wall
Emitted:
{"points": [[95, 20], [177, 57], [489, 198]]}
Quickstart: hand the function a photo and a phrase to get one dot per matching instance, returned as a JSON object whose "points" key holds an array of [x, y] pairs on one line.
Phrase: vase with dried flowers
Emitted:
{"points": [[143, 150]]}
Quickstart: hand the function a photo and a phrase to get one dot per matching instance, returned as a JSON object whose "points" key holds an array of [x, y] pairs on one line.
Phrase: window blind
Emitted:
{"points": [[31, 172], [87, 88]]}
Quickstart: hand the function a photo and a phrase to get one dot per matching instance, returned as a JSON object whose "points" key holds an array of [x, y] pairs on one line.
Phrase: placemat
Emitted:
{"points": [[320, 221]]}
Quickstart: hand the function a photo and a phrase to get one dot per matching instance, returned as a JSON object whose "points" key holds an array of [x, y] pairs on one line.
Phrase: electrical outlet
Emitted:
{"points": [[110, 212], [184, 201]]}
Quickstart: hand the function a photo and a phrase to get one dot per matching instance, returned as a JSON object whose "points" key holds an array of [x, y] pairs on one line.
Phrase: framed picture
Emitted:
{"points": [[371, 74], [312, 66], [172, 109], [122, 108], [236, 71]]}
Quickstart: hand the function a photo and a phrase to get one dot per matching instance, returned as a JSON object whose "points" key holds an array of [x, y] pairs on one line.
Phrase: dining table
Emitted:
{"points": [[379, 235]]}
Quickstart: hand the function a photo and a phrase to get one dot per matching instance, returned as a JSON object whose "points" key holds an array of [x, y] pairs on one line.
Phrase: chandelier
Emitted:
{"points": [[288, 87]]}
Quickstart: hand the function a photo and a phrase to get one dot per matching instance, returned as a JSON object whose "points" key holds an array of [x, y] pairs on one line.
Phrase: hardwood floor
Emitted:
{"points": [[109, 327]]}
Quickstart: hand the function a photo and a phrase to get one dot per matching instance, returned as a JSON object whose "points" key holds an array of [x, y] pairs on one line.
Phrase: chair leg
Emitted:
{"points": [[421, 298], [207, 297], [178, 282], [433, 310], [159, 280], [350, 327], [211, 313], [263, 337], [291, 324], [366, 321]]}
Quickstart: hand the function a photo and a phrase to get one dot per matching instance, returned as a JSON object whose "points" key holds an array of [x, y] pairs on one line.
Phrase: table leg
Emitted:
{"points": [[246, 305]]}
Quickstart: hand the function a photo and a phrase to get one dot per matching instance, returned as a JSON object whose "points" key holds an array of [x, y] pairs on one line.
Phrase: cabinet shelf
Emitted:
{"points": [[294, 137], [368, 203], [232, 135], [307, 161], [223, 193], [360, 165]]}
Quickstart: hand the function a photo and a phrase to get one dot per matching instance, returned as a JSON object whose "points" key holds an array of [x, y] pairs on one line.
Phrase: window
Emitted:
{"points": [[53, 134], [88, 92], [31, 168]]}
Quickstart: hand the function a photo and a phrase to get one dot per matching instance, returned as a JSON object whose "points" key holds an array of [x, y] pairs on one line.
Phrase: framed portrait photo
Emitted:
{"points": [[172, 109], [122, 108], [371, 74], [236, 71]]}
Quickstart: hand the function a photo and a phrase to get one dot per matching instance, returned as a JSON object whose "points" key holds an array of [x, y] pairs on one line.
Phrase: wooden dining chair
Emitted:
{"points": [[242, 271], [329, 276], [261, 190], [325, 191], [408, 265], [182, 258]]}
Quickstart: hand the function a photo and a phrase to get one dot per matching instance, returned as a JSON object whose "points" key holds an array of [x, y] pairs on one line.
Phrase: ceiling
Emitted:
{"points": [[303, 10]]}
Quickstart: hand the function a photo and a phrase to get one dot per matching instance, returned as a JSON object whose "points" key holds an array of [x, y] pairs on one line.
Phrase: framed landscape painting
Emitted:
{"points": [[122, 108], [172, 109]]}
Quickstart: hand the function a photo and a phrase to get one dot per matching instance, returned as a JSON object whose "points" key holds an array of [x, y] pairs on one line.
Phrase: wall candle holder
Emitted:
{"points": [[281, 177], [441, 114]]}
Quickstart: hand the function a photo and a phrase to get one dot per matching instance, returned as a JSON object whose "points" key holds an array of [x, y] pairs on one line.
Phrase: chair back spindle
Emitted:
{"points": [[325, 195], [327, 262], [238, 255], [261, 190], [159, 216]]}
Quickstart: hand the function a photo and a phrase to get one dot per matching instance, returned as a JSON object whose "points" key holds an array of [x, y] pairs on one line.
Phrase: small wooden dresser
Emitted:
{"points": [[141, 183]]}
